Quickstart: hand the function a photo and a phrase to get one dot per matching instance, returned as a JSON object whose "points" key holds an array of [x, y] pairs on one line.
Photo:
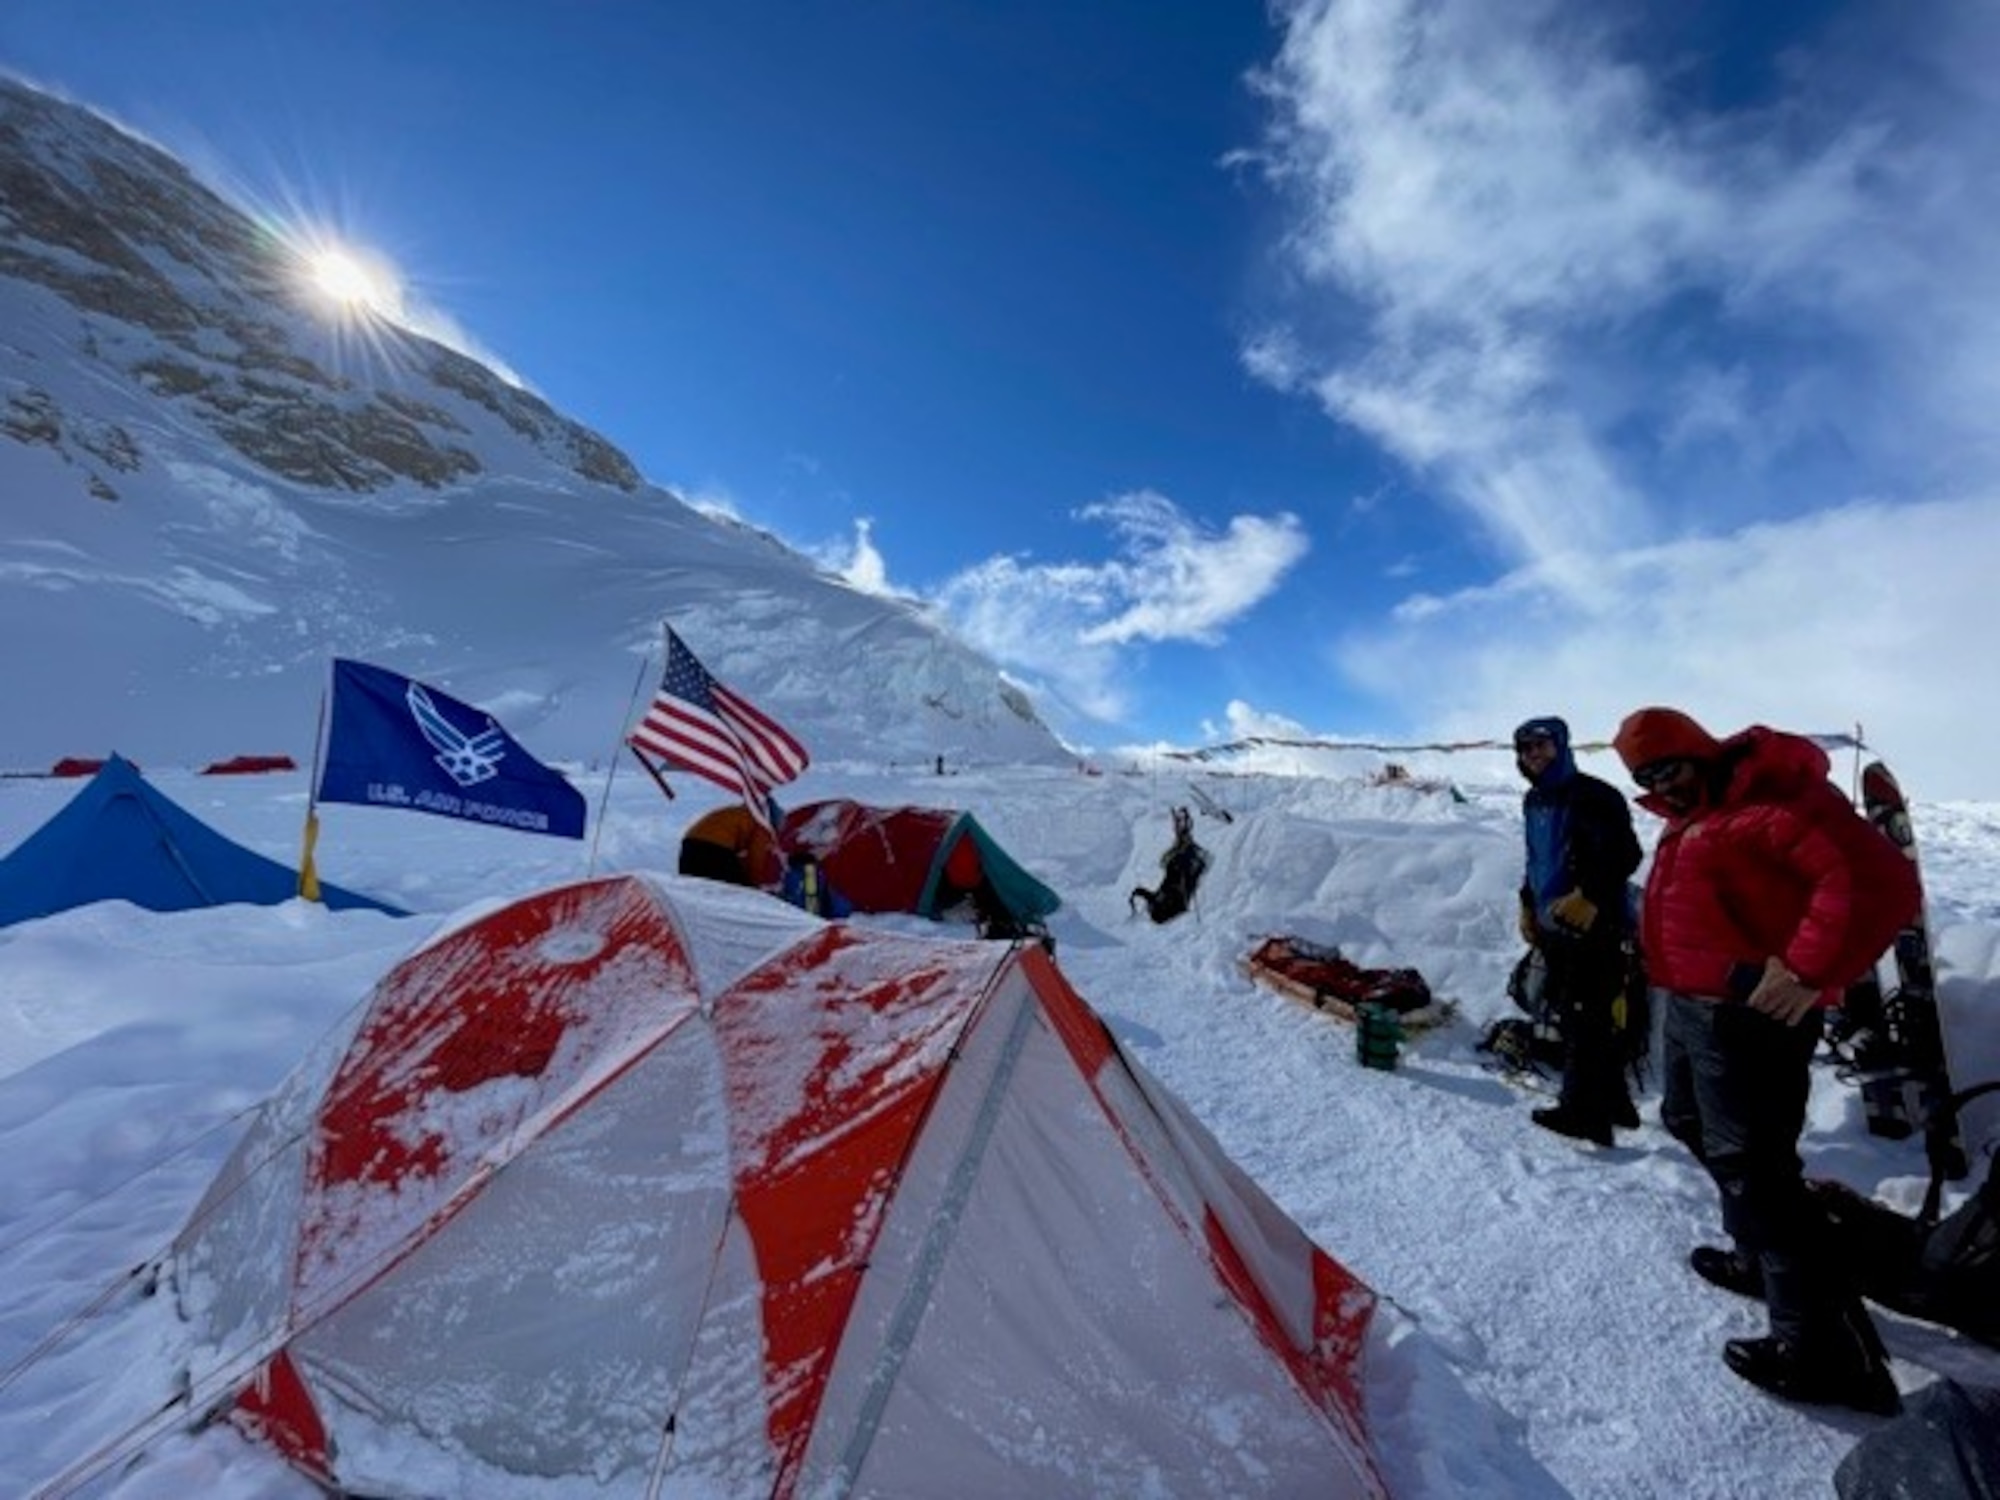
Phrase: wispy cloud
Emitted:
{"points": [[1070, 626], [1177, 582], [1593, 316]]}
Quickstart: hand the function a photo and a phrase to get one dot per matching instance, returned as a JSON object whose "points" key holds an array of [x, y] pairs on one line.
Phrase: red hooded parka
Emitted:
{"points": [[1780, 865]]}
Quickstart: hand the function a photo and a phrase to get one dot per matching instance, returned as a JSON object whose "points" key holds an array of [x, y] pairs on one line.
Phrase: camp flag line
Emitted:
{"points": [[390, 741], [1270, 742], [705, 728]]}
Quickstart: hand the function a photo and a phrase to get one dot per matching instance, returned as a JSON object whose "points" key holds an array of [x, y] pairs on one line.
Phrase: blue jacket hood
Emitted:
{"points": [[1563, 766]]}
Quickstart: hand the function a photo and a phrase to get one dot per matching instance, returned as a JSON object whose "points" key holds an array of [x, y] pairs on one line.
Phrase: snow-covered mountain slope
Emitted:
{"points": [[213, 487]]}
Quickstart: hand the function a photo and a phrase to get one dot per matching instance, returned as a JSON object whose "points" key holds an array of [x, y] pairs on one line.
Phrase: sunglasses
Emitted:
{"points": [[1656, 774], [1534, 742]]}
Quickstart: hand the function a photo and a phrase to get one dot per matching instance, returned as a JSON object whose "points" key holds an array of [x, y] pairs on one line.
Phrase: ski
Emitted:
{"points": [[1905, 1073], [1209, 805]]}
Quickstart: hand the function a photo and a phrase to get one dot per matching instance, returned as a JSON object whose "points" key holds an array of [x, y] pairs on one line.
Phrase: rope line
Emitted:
{"points": [[8, 1247], [1272, 742]]}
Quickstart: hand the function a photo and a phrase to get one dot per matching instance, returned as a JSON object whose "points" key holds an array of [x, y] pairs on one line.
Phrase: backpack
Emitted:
{"points": [[1181, 869], [1945, 1444], [1943, 1270], [1532, 1041]]}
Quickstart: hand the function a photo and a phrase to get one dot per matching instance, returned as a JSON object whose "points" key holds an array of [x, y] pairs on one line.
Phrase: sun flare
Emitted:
{"points": [[352, 282]]}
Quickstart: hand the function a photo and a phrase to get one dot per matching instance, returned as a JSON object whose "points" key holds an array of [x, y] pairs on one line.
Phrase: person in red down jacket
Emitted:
{"points": [[1768, 894]]}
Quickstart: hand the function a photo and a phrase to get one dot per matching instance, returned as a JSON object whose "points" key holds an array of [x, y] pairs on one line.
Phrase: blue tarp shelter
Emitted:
{"points": [[119, 839]]}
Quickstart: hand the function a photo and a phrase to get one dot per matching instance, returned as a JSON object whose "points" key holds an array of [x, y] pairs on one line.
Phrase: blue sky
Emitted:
{"points": [[1366, 368]]}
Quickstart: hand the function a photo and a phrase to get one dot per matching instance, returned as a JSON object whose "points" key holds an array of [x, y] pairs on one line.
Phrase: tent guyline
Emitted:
{"points": [[146, 1272], [34, 1235], [43, 1347], [214, 1394], [133, 1439], [120, 1447], [151, 1266]]}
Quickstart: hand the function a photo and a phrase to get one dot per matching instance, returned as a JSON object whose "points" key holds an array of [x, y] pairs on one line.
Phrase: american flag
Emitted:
{"points": [[700, 725]]}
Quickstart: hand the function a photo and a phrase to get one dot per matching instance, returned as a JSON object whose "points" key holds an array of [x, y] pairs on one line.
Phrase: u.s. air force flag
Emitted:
{"points": [[392, 742]]}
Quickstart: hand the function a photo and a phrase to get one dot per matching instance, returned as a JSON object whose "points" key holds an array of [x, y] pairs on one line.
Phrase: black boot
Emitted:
{"points": [[1566, 1122], [1776, 1366], [1624, 1113], [1732, 1270]]}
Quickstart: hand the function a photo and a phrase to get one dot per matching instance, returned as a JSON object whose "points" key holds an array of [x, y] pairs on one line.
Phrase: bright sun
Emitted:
{"points": [[351, 282]]}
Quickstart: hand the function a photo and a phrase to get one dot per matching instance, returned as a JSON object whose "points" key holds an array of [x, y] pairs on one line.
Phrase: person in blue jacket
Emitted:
{"points": [[1581, 851]]}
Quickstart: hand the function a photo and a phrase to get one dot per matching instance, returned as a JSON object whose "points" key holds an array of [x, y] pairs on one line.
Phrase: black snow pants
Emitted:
{"points": [[1735, 1084], [1585, 979]]}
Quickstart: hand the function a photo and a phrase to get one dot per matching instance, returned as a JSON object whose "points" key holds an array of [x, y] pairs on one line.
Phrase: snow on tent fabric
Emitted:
{"points": [[654, 1185], [890, 859], [121, 839]]}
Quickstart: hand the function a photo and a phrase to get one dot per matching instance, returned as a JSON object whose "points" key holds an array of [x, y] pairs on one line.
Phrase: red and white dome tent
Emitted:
{"points": [[654, 1187]]}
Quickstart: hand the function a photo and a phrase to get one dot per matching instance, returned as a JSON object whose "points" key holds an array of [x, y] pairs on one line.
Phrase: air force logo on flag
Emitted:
{"points": [[395, 742], [467, 760]]}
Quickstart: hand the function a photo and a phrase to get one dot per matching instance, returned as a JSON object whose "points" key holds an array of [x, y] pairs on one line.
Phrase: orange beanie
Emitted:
{"points": [[1650, 734]]}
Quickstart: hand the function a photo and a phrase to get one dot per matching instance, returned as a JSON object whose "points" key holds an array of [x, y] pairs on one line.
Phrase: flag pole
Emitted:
{"points": [[611, 766], [651, 769], [308, 871]]}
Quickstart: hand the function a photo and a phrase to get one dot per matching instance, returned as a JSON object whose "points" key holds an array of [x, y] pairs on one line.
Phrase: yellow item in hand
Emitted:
{"points": [[1574, 911]]}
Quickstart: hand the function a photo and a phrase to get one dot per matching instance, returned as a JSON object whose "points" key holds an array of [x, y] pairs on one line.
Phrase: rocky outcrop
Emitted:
{"points": [[124, 234]]}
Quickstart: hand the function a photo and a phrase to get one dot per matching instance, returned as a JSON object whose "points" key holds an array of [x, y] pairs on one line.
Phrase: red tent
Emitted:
{"points": [[643, 1187], [906, 858], [249, 765]]}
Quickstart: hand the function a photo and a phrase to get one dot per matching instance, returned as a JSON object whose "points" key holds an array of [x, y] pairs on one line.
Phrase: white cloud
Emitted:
{"points": [[1588, 314], [1070, 625], [1872, 614], [1240, 721], [1177, 582]]}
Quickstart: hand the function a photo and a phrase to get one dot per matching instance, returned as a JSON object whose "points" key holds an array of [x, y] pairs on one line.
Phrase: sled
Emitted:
{"points": [[1318, 976]]}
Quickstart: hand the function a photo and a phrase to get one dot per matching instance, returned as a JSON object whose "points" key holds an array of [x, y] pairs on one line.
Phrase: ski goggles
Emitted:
{"points": [[1658, 773]]}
